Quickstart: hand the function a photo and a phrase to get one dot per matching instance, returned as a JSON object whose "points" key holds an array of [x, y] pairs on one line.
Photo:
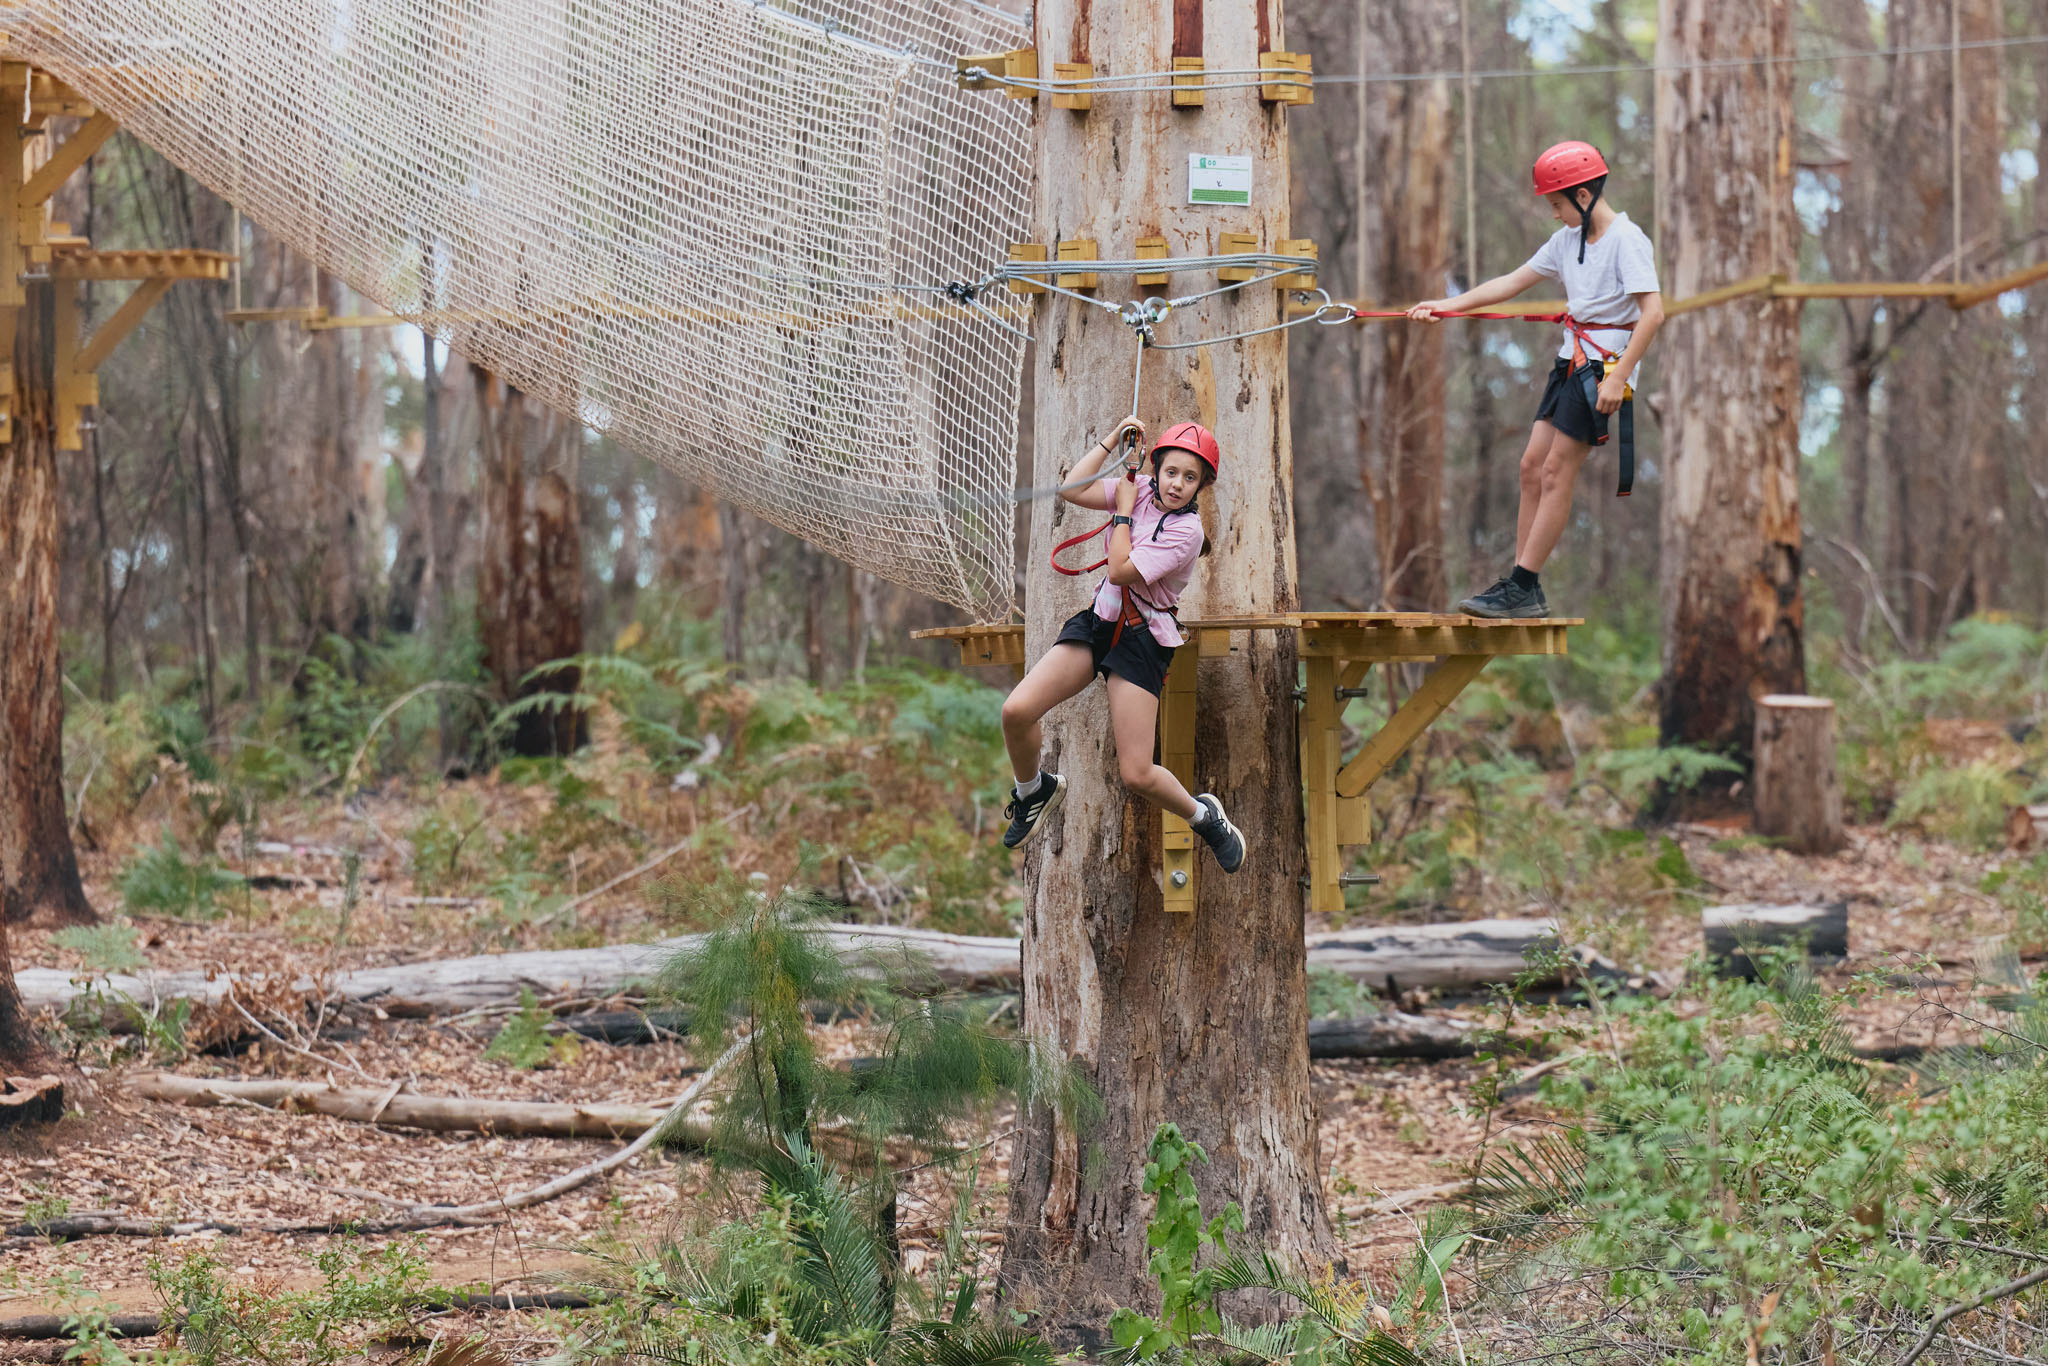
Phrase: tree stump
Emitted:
{"points": [[1731, 932], [1798, 793], [31, 1100]]}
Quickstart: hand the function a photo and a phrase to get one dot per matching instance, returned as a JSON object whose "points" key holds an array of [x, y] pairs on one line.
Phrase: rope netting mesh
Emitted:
{"points": [[717, 231]]}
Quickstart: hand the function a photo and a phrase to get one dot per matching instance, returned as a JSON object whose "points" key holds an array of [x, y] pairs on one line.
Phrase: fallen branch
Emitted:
{"points": [[1402, 1200], [1390, 1034], [34, 1327], [1956, 1311], [568, 908], [405, 1110]]}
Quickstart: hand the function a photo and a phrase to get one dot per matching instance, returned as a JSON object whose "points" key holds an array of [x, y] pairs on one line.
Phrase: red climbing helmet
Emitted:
{"points": [[1193, 438], [1568, 165]]}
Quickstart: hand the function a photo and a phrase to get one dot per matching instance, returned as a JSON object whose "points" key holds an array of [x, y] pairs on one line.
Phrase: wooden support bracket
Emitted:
{"points": [[66, 159], [1423, 706], [1027, 251], [1292, 80], [1177, 756], [1300, 279], [73, 390], [1073, 99], [1152, 249], [109, 333], [1000, 68], [1236, 244], [1078, 249], [1187, 82]]}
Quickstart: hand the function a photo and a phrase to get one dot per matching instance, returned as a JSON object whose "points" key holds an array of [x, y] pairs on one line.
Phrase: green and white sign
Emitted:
{"points": [[1219, 180]]}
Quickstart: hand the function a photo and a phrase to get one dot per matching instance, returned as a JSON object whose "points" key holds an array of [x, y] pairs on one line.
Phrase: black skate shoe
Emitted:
{"points": [[1027, 809], [1225, 840], [1504, 599]]}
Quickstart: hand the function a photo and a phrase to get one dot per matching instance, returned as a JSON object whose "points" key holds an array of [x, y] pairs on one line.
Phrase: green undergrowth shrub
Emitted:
{"points": [[806, 1266], [1728, 1181], [160, 880]]}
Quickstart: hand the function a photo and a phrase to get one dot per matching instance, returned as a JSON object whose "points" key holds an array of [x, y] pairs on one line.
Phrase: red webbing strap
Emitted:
{"points": [[1581, 332]]}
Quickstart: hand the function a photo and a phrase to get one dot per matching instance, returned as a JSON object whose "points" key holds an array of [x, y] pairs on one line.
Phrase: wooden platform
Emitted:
{"points": [[1337, 651]]}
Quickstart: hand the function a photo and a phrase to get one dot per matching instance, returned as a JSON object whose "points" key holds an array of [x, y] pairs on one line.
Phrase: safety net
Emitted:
{"points": [[718, 231]]}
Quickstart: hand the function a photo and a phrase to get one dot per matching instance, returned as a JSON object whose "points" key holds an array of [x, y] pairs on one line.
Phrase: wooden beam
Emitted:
{"points": [[71, 392], [109, 334], [1755, 284], [1423, 706], [66, 159], [1321, 734], [1991, 289], [1390, 642], [180, 263]]}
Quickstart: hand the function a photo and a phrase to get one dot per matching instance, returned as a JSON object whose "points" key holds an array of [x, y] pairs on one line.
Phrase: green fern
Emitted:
{"points": [[524, 1040], [161, 880], [101, 948]]}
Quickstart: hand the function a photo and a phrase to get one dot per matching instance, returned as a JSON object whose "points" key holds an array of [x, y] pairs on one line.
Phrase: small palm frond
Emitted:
{"points": [[842, 1262], [1272, 1343], [1338, 1307], [946, 1344], [1522, 1184], [1381, 1349]]}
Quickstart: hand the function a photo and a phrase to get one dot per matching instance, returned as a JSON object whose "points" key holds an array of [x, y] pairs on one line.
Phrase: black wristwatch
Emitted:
{"points": [[1120, 520]]}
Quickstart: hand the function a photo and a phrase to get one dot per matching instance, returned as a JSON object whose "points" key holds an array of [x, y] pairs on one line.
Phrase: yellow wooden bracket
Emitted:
{"points": [[999, 70], [1078, 249], [1027, 251], [7, 384], [1300, 279], [1073, 99], [1152, 249], [66, 159], [1414, 716], [73, 390], [1187, 82], [68, 262], [47, 96], [109, 333], [1177, 756], [1236, 244], [1292, 81]]}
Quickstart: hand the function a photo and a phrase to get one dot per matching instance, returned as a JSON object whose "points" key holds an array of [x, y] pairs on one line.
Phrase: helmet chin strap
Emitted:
{"points": [[1585, 217]]}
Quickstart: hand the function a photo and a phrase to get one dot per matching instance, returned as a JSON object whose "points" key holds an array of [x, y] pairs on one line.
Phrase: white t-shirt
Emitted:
{"points": [[1620, 264]]}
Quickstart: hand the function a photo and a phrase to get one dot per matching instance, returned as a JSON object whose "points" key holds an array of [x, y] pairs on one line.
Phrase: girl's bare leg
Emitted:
{"points": [[1560, 474], [1533, 455], [1062, 673], [1134, 721]]}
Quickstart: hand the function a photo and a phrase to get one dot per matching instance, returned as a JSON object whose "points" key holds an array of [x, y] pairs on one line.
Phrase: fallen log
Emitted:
{"points": [[404, 1110], [1388, 958], [1390, 1034], [452, 985], [1730, 931]]}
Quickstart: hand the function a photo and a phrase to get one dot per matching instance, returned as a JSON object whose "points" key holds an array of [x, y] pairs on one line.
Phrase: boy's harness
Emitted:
{"points": [[1582, 372]]}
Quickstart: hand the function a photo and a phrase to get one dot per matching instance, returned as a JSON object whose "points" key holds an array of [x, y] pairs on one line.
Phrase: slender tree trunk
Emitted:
{"points": [[735, 575], [625, 576], [1733, 613], [38, 867], [1408, 217], [529, 590], [1197, 1018]]}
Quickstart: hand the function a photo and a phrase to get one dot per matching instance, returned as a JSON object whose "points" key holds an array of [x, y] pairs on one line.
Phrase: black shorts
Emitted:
{"points": [[1565, 406], [1137, 657]]}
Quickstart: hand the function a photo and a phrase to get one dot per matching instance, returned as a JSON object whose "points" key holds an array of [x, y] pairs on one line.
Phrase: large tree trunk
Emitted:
{"points": [[1945, 400], [529, 591], [1407, 216], [1732, 607], [1197, 1018], [38, 867]]}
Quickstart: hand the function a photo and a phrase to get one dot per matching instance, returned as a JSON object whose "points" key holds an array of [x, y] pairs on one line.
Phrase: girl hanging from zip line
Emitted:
{"points": [[1609, 274], [1127, 634]]}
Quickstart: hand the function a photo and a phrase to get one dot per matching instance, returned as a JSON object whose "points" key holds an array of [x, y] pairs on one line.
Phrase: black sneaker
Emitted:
{"points": [[1225, 840], [1504, 599], [1026, 812]]}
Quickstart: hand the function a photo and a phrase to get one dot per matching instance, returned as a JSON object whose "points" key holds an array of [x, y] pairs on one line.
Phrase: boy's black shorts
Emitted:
{"points": [[1565, 406], [1137, 658]]}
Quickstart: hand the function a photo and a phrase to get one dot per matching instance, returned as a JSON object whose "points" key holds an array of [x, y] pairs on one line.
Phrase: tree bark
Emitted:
{"points": [[1196, 1018], [529, 577], [1734, 617], [38, 866], [1407, 217], [1798, 795], [1945, 402]]}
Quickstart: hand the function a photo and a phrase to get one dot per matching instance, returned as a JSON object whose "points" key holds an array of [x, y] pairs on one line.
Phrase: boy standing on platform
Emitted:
{"points": [[1609, 273]]}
